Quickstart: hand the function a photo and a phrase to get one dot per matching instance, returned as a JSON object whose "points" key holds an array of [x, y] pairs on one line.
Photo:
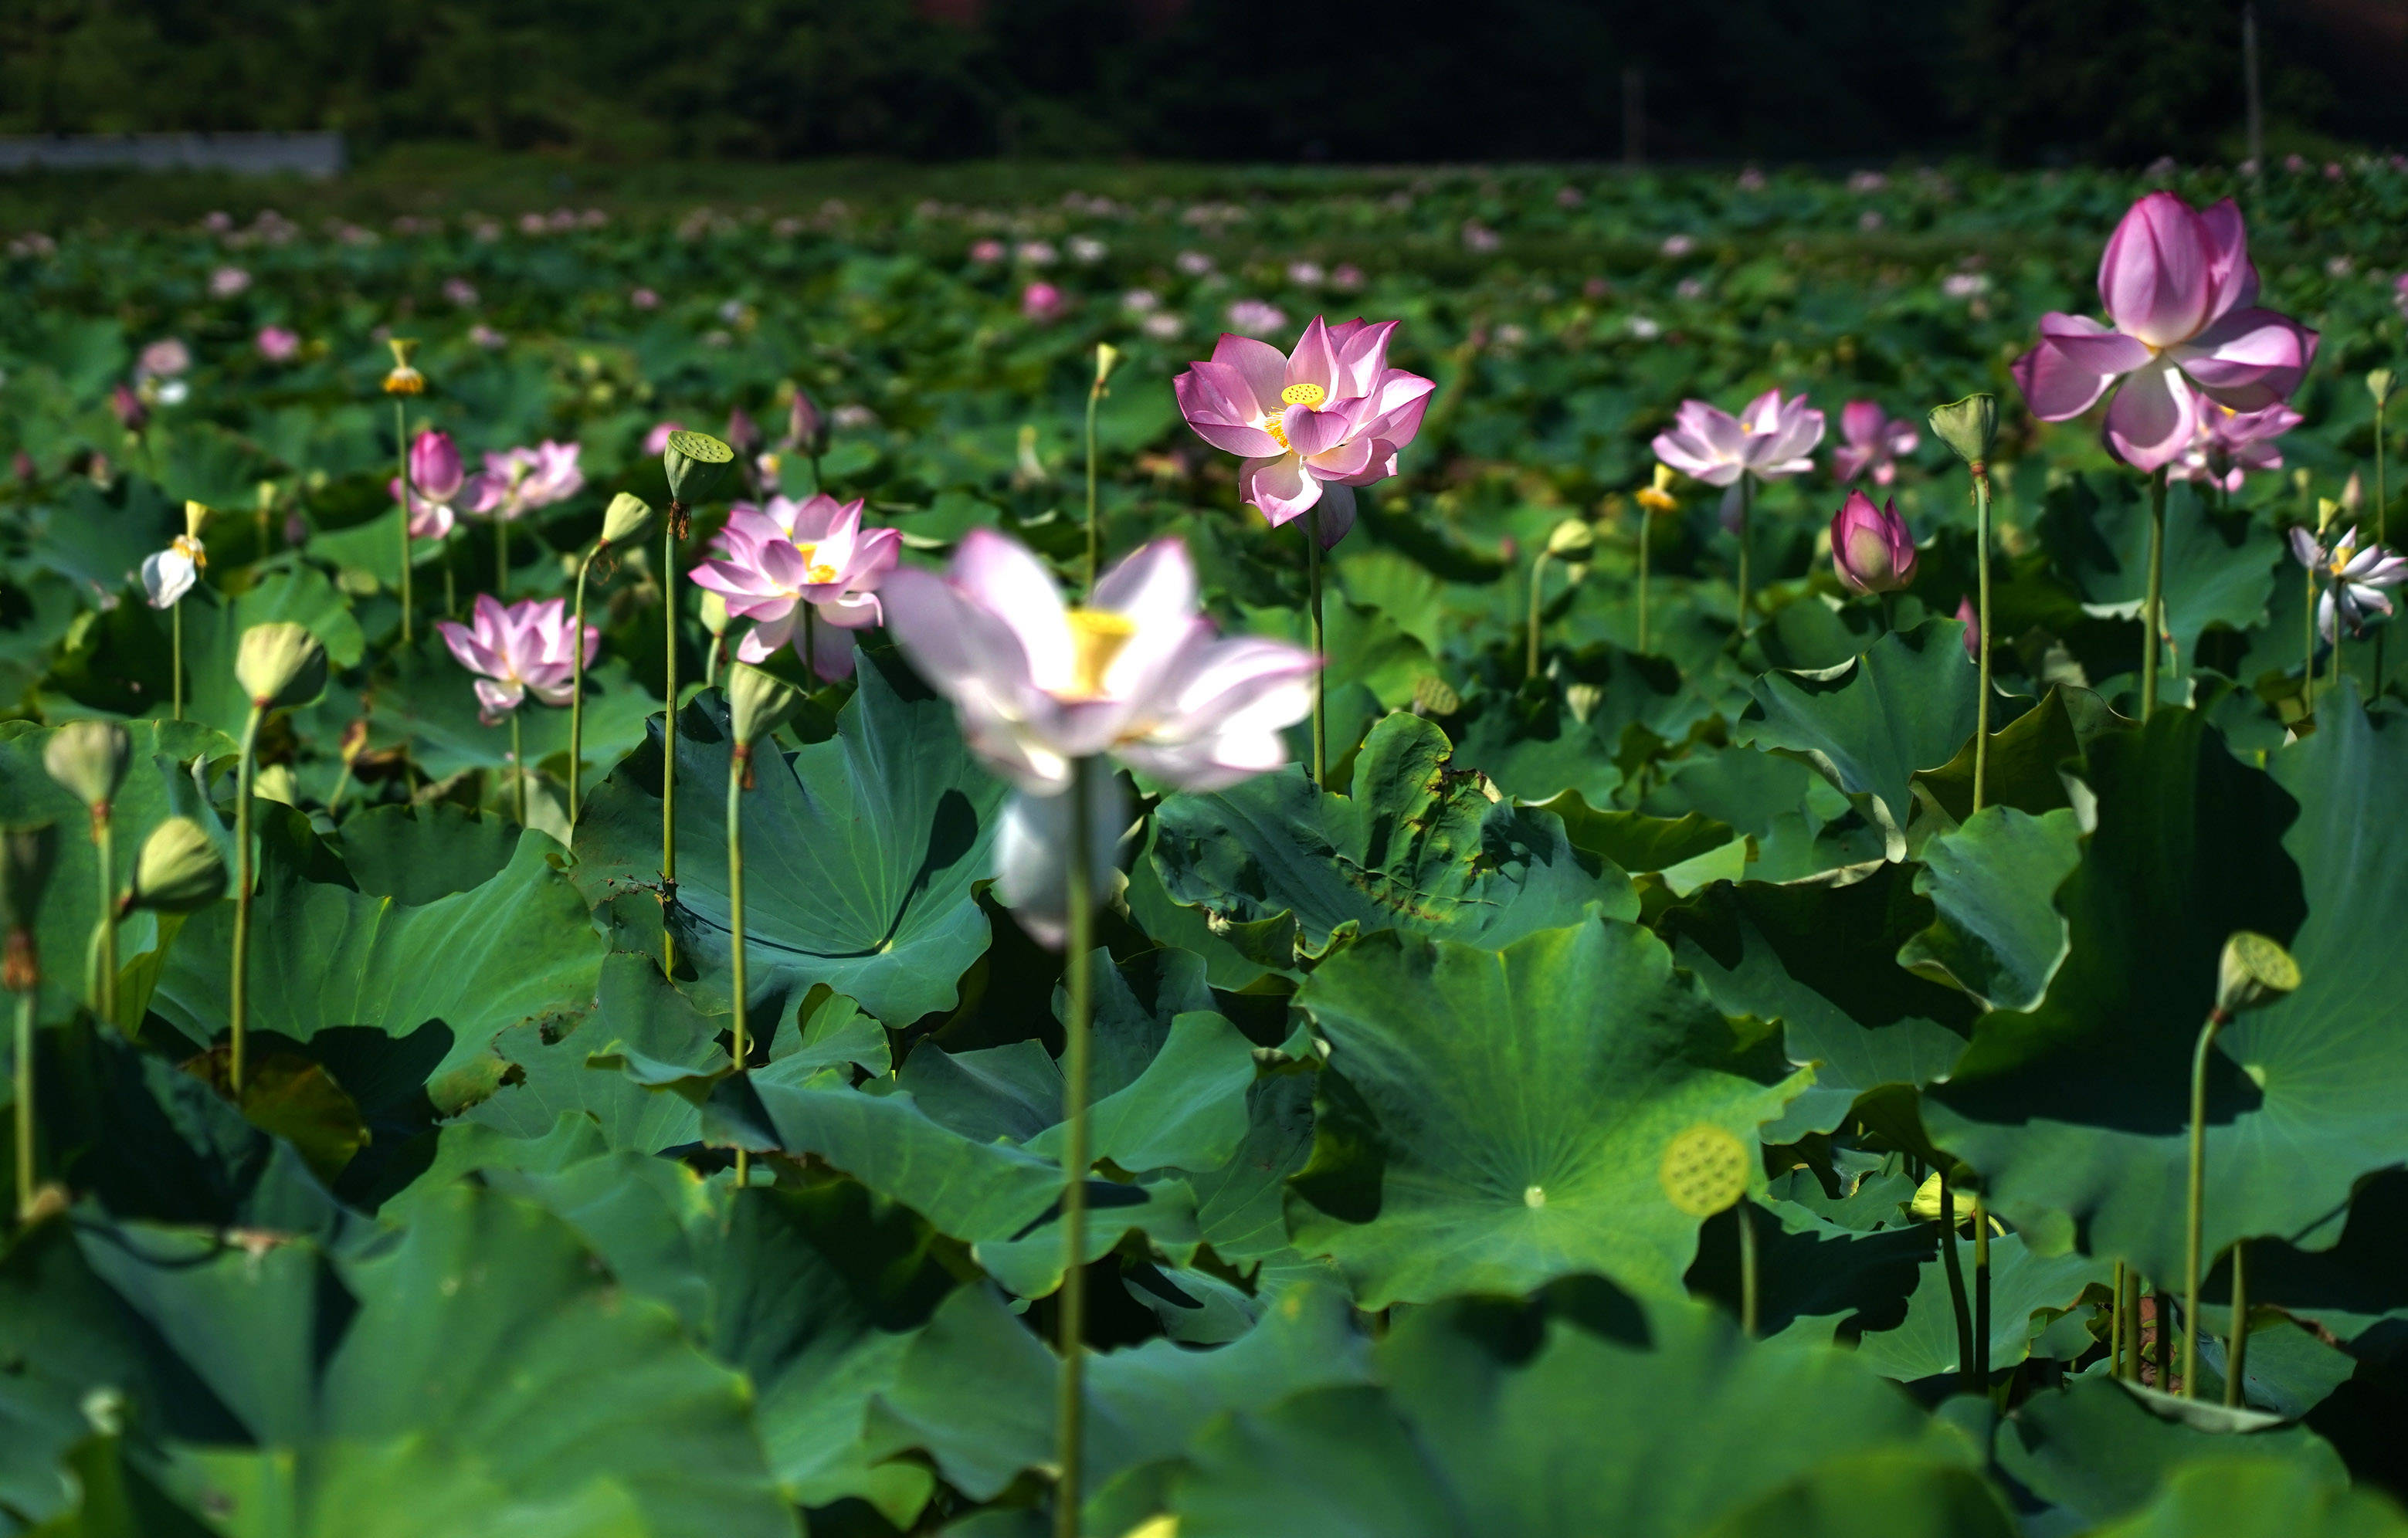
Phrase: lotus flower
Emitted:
{"points": [[2230, 443], [1313, 425], [435, 481], [515, 650], [1772, 439], [1041, 302], [277, 344], [169, 573], [774, 560], [519, 480], [2353, 578], [1871, 547], [1874, 442], [657, 440], [2179, 286]]}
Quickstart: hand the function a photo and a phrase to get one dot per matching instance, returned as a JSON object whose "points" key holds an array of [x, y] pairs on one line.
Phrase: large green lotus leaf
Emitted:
{"points": [[1372, 668], [2289, 1371], [518, 947], [395, 1488], [2076, 1114], [860, 852], [1416, 847], [429, 705], [1493, 1119], [1908, 704], [1816, 1279], [2219, 569], [1822, 960], [1894, 1493], [1328, 1463], [213, 635], [2023, 1288], [2028, 757], [1997, 933], [155, 788], [62, 1337], [1561, 733], [2259, 1500], [1143, 1401], [2356, 1290], [415, 854]]}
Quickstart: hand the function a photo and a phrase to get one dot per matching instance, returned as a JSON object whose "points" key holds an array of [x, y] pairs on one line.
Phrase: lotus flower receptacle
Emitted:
{"points": [[695, 462], [89, 758], [1969, 426], [281, 664], [179, 869]]}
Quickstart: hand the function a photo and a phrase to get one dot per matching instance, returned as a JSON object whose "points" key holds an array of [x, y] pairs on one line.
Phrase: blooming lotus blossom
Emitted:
{"points": [[2232, 443], [517, 651], [1313, 425], [1874, 442], [435, 479], [1871, 548], [277, 344], [2353, 578], [169, 573], [2179, 286], [519, 480], [986, 251], [775, 560], [162, 360], [1041, 302], [1137, 674], [1772, 439]]}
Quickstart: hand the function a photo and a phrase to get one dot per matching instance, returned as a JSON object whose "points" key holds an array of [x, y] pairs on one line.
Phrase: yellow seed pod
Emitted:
{"points": [[1924, 1208], [1705, 1170]]}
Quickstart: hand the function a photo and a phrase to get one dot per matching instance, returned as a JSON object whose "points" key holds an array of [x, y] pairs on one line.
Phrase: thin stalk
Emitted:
{"points": [[103, 935], [176, 653], [401, 451], [2382, 534], [1645, 520], [1982, 720], [1538, 597], [2115, 1327], [817, 484], [26, 1105], [1095, 530], [342, 788], [239, 987], [1321, 675], [501, 559], [1746, 528], [2308, 651], [1955, 1271], [1070, 1403], [2236, 1346], [518, 771], [576, 689], [811, 638], [2152, 610], [450, 589], [738, 1048], [669, 730], [712, 659], [2198, 1208], [1981, 1296], [1747, 1268]]}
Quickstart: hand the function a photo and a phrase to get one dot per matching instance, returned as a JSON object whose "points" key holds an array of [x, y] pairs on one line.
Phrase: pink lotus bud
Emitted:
{"points": [[657, 440], [129, 410], [987, 252], [1972, 622], [743, 433], [806, 429], [1871, 547], [1041, 302], [277, 344], [435, 466]]}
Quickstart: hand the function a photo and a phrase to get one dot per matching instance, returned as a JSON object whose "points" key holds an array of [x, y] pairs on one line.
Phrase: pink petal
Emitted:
{"points": [[2089, 345], [2229, 264], [2055, 388], [1315, 360], [1279, 488], [1861, 423], [1261, 365], [1310, 431], [2157, 275], [1001, 577], [2153, 417], [2249, 360]]}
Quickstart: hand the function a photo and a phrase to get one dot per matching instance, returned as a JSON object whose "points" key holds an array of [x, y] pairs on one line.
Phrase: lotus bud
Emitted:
{"points": [[1106, 356], [743, 433], [758, 703], [714, 612], [2255, 971], [695, 463], [89, 758], [1969, 426], [132, 413], [179, 869], [2327, 510], [26, 855], [1572, 537], [627, 517], [2378, 384], [1871, 547], [197, 514], [807, 427], [2353, 494], [404, 379], [281, 664], [1924, 1208]]}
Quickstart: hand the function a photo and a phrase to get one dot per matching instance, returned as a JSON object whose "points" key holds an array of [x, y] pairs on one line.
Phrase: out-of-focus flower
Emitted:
{"points": [[986, 252], [743, 433], [1479, 237], [1771, 439], [1751, 180], [517, 651], [1037, 253], [2230, 443], [1252, 317], [1041, 302], [1690, 287], [2353, 578], [1871, 547], [773, 561], [128, 406], [2179, 286], [1087, 251], [403, 380], [169, 573], [1346, 276], [1140, 301], [644, 299], [517, 481], [658, 438], [435, 479], [1646, 327], [483, 335], [1678, 245], [1867, 181], [1313, 426], [807, 429], [1965, 285], [460, 292], [1971, 618], [162, 360], [277, 344], [226, 283], [1305, 274], [1138, 673], [1194, 263], [854, 415], [1873, 441]]}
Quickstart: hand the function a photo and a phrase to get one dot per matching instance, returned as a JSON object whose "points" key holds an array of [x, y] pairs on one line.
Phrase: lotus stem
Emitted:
{"points": [[501, 559], [2236, 1351], [576, 691], [239, 986], [1746, 527], [669, 732], [450, 591], [1981, 719], [1095, 529], [1538, 597], [2198, 1209], [712, 660], [1955, 1272], [104, 933], [1981, 1296], [1646, 518], [2115, 1327], [1320, 650], [738, 764], [518, 771], [2152, 609], [1069, 1404], [176, 654], [401, 451], [25, 998], [1747, 1288], [2382, 529], [2308, 648]]}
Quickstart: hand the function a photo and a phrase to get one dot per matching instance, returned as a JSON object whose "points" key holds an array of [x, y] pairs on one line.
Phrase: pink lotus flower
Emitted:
{"points": [[1874, 442], [517, 651], [772, 562], [1041, 302], [1138, 673], [278, 345], [1772, 439], [1871, 546], [657, 440], [519, 480], [226, 283], [2179, 286], [2353, 580], [162, 360], [1313, 425], [644, 299], [743, 433], [2230, 443], [986, 251], [132, 413], [435, 481]]}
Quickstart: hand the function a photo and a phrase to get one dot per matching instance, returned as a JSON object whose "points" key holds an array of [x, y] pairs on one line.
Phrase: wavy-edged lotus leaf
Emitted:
{"points": [[415, 854], [1635, 841], [1373, 666], [860, 852], [1893, 1493], [2259, 1500], [2028, 756], [1416, 847], [1489, 1120], [62, 1336], [2026, 1292], [1816, 1279], [2219, 567], [1562, 734], [2356, 1289], [1996, 932]]}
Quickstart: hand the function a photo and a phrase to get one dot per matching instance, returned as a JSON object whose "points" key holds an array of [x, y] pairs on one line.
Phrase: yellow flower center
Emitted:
{"points": [[1304, 395], [405, 380], [818, 573], [189, 548], [1096, 637]]}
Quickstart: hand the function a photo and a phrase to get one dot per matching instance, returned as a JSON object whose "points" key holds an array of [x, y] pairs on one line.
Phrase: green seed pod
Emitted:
{"points": [[179, 870], [89, 758], [758, 703], [281, 664], [1572, 537], [27, 855], [1435, 696], [1969, 426], [714, 612], [695, 463], [628, 517], [2378, 384], [2255, 971]]}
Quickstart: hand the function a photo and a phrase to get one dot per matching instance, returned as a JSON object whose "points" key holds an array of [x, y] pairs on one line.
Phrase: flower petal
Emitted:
{"points": [[2153, 417]]}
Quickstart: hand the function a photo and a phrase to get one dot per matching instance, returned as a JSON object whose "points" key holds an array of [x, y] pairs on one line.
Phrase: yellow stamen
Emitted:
{"points": [[1096, 637], [1272, 425], [191, 549]]}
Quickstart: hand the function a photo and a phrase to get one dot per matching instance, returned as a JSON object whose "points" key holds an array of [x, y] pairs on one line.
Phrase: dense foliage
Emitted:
{"points": [[1409, 1089]]}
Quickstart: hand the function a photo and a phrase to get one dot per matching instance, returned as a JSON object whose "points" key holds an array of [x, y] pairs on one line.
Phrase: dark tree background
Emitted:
{"points": [[2021, 80]]}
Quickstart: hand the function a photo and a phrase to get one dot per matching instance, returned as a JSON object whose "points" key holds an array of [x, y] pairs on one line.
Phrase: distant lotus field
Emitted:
{"points": [[1509, 852]]}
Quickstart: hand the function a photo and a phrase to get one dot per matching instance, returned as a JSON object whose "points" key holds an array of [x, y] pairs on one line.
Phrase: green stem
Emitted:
{"points": [[1095, 530], [1646, 518], [817, 485], [712, 659], [401, 450], [518, 771], [811, 640], [2236, 1349], [739, 1048], [26, 1105], [176, 654], [2198, 1208], [2308, 652], [2115, 1327], [451, 589], [1070, 1402], [577, 690], [1538, 597], [1747, 1291], [1746, 527], [104, 982], [501, 560], [2382, 537], [1982, 722], [1321, 675], [1981, 1296], [1955, 1271], [2152, 610], [669, 733], [239, 989]]}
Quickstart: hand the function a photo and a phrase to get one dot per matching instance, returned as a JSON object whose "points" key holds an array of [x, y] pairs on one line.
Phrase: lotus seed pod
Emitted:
{"points": [[2255, 971], [404, 379], [1572, 537], [1106, 356], [2378, 384], [281, 664], [1435, 696], [1705, 1170], [179, 869], [26, 854], [1924, 1208], [89, 758], [758, 703], [628, 516], [1969, 426], [714, 612], [695, 462]]}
